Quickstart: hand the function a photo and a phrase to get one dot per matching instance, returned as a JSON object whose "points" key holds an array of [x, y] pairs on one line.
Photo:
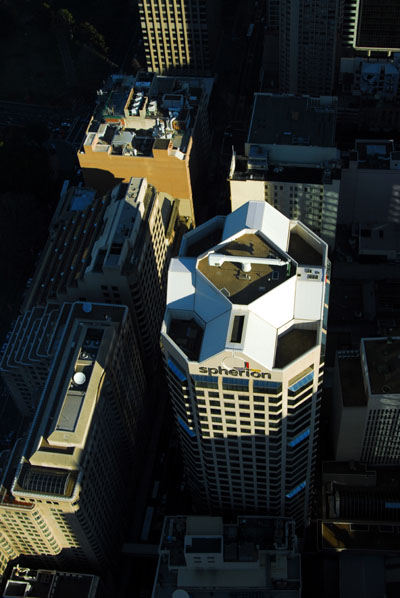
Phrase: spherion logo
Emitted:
{"points": [[240, 372]]}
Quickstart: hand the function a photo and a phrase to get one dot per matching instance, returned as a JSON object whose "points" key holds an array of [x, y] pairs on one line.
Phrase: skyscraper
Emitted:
{"points": [[244, 342], [66, 488], [180, 36], [307, 46]]}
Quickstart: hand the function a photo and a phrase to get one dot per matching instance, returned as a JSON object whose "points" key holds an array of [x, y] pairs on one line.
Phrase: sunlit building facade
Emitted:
{"points": [[180, 36], [244, 343], [61, 483]]}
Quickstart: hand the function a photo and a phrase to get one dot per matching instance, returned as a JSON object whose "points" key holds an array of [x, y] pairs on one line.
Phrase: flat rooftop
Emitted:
{"points": [[205, 242], [242, 542], [292, 120], [378, 28], [241, 287], [48, 584], [293, 344], [282, 173], [383, 359], [351, 381]]}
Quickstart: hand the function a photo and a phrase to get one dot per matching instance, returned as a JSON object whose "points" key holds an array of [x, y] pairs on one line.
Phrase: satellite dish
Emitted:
{"points": [[87, 307], [79, 378]]}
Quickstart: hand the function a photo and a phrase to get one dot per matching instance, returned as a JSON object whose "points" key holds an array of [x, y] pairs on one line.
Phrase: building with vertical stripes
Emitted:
{"points": [[65, 488], [244, 338], [180, 35]]}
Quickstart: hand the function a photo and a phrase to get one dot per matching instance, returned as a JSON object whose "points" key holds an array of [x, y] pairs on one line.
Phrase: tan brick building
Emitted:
{"points": [[149, 126]]}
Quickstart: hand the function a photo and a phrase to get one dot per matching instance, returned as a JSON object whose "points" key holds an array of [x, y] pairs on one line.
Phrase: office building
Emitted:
{"points": [[149, 126], [256, 556], [180, 36], [244, 343], [42, 583], [115, 249], [307, 46], [66, 488], [366, 414], [291, 160]]}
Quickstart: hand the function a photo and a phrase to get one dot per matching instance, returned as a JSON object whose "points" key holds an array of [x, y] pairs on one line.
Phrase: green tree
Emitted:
{"points": [[87, 33], [65, 18]]}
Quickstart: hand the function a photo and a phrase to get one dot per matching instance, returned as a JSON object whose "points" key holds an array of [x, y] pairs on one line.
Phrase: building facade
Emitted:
{"points": [[244, 342], [149, 126], [307, 46], [366, 415], [180, 36], [291, 160], [254, 556], [116, 249], [66, 487]]}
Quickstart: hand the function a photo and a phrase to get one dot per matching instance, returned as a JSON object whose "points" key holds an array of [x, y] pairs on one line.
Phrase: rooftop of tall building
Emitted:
{"points": [[286, 119], [255, 553], [43, 583], [136, 115], [246, 277], [49, 461]]}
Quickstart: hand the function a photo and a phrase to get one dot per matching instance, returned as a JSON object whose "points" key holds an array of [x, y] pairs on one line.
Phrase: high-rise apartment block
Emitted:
{"points": [[307, 46], [291, 160], [149, 126], [366, 414], [180, 36], [115, 249], [65, 490], [244, 343], [256, 556], [43, 583]]}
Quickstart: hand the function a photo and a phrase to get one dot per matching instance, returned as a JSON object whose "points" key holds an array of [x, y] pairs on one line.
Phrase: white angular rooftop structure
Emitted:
{"points": [[248, 285]]}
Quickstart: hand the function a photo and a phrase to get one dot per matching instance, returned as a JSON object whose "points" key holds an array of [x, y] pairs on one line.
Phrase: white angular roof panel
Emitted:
{"points": [[208, 301], [309, 297], [214, 337], [277, 306], [260, 340], [180, 289], [256, 271]]}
